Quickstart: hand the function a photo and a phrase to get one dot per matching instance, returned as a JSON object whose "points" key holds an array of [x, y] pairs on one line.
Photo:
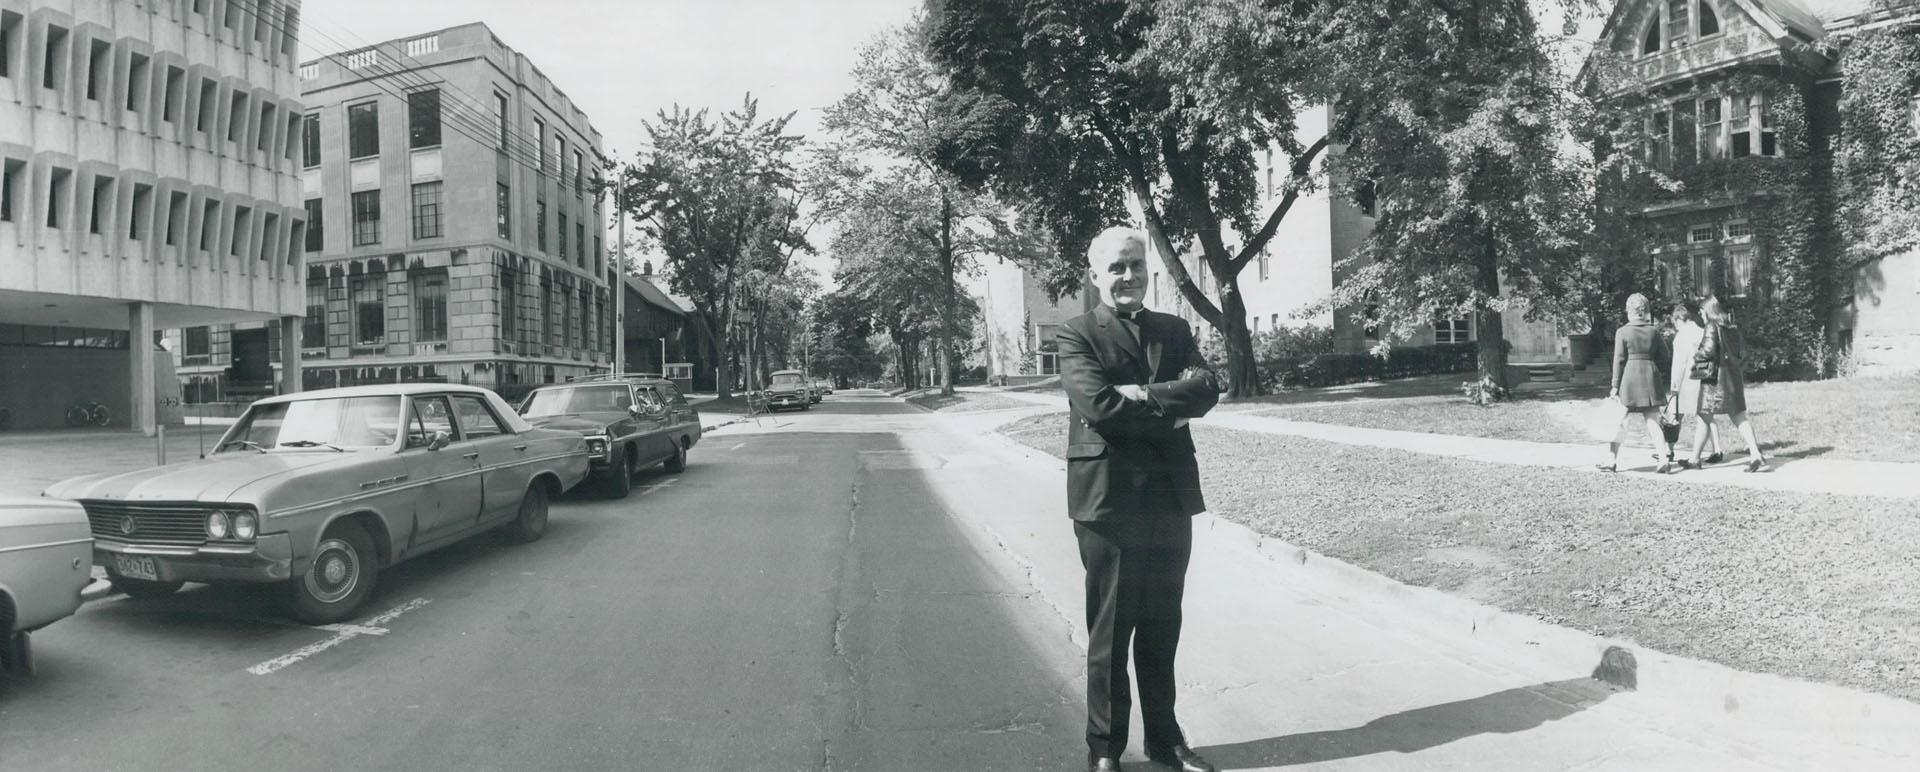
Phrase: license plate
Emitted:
{"points": [[136, 567]]}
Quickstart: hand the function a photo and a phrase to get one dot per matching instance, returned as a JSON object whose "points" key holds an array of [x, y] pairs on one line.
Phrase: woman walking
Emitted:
{"points": [[1687, 333], [1717, 364], [1637, 350]]}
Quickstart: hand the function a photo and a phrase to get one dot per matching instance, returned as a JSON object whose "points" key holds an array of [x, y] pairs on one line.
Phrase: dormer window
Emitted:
{"points": [[1709, 20], [1650, 43]]}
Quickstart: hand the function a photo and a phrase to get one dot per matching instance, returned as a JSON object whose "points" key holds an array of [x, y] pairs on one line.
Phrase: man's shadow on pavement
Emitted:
{"points": [[1502, 712]]}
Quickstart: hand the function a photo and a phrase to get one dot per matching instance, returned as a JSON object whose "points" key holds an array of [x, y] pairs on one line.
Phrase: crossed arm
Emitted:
{"points": [[1132, 409]]}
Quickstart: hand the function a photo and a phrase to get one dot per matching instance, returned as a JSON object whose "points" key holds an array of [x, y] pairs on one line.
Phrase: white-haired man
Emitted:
{"points": [[1133, 378]]}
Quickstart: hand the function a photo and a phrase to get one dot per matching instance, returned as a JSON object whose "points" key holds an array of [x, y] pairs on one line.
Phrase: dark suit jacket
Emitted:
{"points": [[1125, 457]]}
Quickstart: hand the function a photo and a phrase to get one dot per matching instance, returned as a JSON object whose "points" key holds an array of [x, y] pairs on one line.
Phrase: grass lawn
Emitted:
{"points": [[1875, 419], [965, 402], [1806, 585]]}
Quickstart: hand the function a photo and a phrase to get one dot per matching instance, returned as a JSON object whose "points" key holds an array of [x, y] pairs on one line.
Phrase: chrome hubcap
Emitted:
{"points": [[336, 572]]}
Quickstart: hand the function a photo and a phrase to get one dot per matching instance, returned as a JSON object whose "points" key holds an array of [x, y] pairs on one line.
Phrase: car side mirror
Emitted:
{"points": [[440, 440]]}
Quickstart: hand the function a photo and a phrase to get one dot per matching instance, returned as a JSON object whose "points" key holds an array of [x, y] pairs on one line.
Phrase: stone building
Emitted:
{"points": [[151, 180], [458, 228]]}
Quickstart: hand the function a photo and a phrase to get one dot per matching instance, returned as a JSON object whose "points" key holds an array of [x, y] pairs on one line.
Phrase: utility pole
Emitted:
{"points": [[620, 279]]}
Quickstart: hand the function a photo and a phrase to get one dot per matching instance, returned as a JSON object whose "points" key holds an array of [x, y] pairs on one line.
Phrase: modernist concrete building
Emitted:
{"points": [[149, 151], [457, 229]]}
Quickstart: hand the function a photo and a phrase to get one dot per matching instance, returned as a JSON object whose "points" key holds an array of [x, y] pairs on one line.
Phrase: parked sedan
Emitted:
{"points": [[44, 564], [320, 490], [630, 422]]}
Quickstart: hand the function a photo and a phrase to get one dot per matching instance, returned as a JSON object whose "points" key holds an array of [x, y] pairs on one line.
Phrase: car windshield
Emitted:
{"points": [[576, 399], [342, 422], [786, 379]]}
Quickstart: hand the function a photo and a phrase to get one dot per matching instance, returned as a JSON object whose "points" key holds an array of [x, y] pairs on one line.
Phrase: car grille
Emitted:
{"points": [[172, 524]]}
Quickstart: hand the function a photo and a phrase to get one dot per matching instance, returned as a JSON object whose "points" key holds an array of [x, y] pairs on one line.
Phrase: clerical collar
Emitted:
{"points": [[1130, 316]]}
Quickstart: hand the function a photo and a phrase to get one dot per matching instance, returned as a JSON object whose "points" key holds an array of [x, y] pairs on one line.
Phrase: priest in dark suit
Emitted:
{"points": [[1133, 378]]}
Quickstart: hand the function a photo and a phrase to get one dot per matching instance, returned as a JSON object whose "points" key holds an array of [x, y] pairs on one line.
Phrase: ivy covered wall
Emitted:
{"points": [[1877, 185]]}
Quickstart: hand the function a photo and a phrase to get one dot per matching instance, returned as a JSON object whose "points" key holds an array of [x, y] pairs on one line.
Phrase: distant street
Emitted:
{"points": [[798, 599]]}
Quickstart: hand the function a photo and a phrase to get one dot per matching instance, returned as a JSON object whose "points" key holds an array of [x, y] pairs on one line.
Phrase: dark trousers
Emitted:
{"points": [[1136, 575]]}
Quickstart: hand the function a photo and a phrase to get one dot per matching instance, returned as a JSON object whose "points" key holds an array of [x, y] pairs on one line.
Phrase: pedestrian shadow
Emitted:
{"points": [[1503, 712], [1775, 448]]}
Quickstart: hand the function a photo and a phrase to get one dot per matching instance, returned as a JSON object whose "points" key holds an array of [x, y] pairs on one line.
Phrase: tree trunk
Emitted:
{"points": [[945, 341], [1488, 326], [1243, 371]]}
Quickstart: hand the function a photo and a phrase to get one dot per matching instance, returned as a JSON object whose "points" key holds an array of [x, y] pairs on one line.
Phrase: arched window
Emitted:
{"points": [[1709, 21], [1650, 43]]}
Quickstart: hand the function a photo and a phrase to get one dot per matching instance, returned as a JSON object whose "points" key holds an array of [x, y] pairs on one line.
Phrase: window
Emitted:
{"points": [[237, 117], [1262, 260], [242, 230], [209, 225], [1739, 228], [423, 119], [9, 41], [176, 218], [1702, 234], [1253, 324], [500, 117], [196, 342], [1769, 141], [540, 142], [1713, 141], [580, 244], [1660, 129], [266, 129], [99, 68], [175, 94], [560, 156], [316, 226], [426, 210], [10, 174], [233, 14], [563, 235], [544, 334], [1701, 265], [102, 209], [1709, 21], [586, 320], [1453, 330], [503, 210], [1650, 40], [294, 124], [363, 130], [476, 419], [366, 218], [509, 304], [52, 72], [59, 194], [430, 305], [209, 95], [137, 68], [566, 318], [369, 309], [1740, 126], [579, 173], [313, 326], [540, 224], [142, 213], [430, 416], [1739, 270], [310, 141], [1048, 347]]}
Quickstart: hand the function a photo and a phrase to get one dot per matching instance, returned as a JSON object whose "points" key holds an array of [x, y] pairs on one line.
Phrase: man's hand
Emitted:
{"points": [[1130, 391]]}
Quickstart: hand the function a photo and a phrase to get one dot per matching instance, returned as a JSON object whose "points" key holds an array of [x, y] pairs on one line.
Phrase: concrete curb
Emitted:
{"points": [[1671, 688]]}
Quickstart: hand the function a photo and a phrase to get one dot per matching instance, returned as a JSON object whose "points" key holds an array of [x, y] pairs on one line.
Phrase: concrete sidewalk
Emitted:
{"points": [[1806, 475], [1291, 659]]}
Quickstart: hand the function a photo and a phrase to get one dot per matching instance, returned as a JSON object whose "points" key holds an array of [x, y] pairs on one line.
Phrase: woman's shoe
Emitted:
{"points": [[1716, 457], [1758, 465], [1663, 468], [1608, 468]]}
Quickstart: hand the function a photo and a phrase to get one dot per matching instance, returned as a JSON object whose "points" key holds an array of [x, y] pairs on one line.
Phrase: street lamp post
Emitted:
{"points": [[620, 280]]}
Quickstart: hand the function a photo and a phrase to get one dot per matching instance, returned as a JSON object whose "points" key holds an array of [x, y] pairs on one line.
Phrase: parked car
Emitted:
{"points": [[321, 490], [629, 422], [788, 388], [824, 386], [45, 561]]}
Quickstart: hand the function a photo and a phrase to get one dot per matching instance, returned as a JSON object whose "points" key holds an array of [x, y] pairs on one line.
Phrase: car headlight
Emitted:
{"points": [[597, 445], [217, 525], [245, 526]]}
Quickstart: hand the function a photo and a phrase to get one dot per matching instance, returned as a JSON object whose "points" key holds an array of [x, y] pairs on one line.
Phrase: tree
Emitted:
{"points": [[718, 197], [1068, 107], [1453, 121], [892, 110]]}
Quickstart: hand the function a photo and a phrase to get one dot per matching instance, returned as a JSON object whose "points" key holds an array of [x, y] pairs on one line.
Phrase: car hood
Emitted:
{"points": [[214, 479], [584, 423]]}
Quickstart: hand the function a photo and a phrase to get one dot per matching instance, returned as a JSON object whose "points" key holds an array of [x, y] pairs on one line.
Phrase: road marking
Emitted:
{"points": [[341, 634], [666, 483], [737, 447]]}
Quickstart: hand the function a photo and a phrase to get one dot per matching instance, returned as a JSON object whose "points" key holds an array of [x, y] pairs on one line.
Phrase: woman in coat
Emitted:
{"points": [[1723, 387], [1687, 333], [1637, 354]]}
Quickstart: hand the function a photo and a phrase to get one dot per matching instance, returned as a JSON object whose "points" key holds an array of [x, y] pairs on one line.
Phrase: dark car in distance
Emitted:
{"points": [[630, 422]]}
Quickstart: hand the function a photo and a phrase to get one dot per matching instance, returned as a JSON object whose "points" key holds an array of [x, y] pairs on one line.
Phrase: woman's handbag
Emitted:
{"points": [[1670, 419], [1707, 370]]}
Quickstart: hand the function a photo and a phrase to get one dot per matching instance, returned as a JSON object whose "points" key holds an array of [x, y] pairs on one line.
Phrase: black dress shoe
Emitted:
{"points": [[1102, 763], [1180, 757]]}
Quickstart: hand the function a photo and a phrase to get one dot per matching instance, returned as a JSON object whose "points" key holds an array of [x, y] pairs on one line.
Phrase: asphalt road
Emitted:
{"points": [[799, 598]]}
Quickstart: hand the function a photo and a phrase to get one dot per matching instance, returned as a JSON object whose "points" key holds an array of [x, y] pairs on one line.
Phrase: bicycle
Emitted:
{"points": [[88, 413]]}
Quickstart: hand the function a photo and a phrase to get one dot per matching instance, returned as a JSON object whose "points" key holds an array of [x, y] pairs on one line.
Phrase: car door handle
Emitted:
{"points": [[470, 456]]}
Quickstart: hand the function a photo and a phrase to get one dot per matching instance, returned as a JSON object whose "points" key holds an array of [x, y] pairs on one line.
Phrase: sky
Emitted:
{"points": [[622, 61]]}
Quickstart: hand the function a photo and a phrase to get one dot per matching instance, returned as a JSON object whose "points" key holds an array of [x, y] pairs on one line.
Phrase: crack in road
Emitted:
{"points": [[851, 703], [1026, 570]]}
